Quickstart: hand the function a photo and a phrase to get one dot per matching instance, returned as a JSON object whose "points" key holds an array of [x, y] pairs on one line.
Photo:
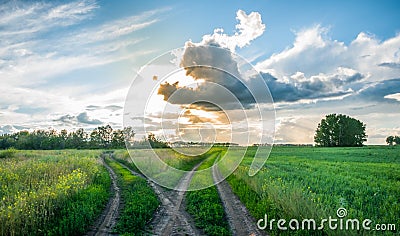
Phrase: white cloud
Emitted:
{"points": [[395, 96], [313, 53], [21, 19], [40, 41], [117, 28], [29, 52], [250, 27]]}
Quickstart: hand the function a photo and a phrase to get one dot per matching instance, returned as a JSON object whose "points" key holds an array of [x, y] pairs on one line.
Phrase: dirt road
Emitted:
{"points": [[171, 217], [105, 223], [239, 219]]}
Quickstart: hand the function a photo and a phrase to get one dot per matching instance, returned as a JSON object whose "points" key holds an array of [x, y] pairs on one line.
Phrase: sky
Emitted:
{"points": [[73, 64]]}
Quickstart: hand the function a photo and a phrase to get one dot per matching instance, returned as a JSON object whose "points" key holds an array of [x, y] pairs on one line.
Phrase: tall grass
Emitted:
{"points": [[51, 193]]}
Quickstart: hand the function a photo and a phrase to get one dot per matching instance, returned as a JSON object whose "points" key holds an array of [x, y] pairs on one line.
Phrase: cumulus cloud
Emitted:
{"points": [[300, 87], [306, 71], [213, 63], [221, 80], [314, 52], [203, 63], [250, 27]]}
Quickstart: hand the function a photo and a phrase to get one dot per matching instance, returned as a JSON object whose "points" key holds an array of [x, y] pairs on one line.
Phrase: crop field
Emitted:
{"points": [[65, 192], [307, 182]]}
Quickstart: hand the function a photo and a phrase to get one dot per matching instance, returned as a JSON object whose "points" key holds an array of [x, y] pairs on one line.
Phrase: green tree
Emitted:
{"points": [[95, 139], [340, 131], [390, 140], [77, 139], [63, 138], [118, 139], [397, 140], [105, 134]]}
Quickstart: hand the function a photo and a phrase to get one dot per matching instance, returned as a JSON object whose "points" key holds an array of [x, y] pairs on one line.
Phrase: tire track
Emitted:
{"points": [[239, 219], [171, 217], [105, 223]]}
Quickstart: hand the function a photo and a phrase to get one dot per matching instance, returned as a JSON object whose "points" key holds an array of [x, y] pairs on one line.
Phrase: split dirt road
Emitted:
{"points": [[171, 217]]}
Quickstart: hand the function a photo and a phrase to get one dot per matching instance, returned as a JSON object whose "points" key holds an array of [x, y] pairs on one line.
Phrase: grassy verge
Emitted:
{"points": [[205, 205], [51, 193], [140, 202]]}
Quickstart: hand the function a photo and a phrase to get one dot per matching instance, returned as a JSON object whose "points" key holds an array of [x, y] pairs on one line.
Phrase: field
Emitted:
{"points": [[307, 182], [64, 192], [51, 192]]}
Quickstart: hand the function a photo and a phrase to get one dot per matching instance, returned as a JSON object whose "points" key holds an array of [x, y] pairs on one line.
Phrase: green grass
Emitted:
{"points": [[158, 170], [205, 205], [140, 202], [51, 192], [309, 182]]}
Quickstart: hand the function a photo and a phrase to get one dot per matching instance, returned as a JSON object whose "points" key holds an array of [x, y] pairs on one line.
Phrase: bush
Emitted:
{"points": [[8, 153]]}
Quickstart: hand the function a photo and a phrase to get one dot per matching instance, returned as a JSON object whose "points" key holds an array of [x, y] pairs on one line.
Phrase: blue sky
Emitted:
{"points": [[69, 64]]}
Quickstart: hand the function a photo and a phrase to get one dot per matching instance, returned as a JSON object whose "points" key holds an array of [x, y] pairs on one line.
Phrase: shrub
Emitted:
{"points": [[8, 153]]}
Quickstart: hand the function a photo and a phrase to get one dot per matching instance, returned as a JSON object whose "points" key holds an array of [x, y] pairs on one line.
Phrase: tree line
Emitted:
{"points": [[102, 137]]}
